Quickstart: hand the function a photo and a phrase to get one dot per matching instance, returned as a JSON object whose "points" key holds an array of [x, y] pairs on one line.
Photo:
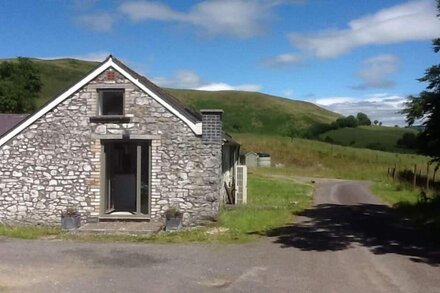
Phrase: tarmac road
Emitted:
{"points": [[347, 242]]}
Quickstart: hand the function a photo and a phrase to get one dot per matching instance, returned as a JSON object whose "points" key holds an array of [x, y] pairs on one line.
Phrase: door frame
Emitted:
{"points": [[104, 178]]}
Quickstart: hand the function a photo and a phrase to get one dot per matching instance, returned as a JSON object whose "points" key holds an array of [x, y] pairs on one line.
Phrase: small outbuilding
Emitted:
{"points": [[250, 159], [264, 160]]}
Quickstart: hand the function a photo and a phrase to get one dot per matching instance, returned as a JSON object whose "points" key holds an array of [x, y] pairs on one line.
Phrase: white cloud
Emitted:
{"points": [[288, 93], [381, 107], [284, 60], [99, 22], [238, 18], [411, 21], [188, 79], [333, 100], [376, 70], [226, 87]]}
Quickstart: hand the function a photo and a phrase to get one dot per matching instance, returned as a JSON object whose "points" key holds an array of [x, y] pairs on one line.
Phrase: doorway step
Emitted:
{"points": [[121, 228]]}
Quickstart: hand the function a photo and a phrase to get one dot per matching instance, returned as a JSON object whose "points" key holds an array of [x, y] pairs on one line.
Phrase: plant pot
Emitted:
{"points": [[70, 222], [173, 224]]}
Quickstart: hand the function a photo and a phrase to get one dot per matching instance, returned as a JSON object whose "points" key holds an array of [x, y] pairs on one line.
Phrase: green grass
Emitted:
{"points": [[28, 232], [314, 158], [408, 203], [374, 137], [395, 193], [272, 203]]}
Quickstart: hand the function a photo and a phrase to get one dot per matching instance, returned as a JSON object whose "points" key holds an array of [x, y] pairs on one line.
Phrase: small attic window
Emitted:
{"points": [[111, 102]]}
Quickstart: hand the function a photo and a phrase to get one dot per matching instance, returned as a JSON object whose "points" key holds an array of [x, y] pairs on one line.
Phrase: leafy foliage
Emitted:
{"points": [[426, 106], [363, 119], [20, 85], [408, 140], [317, 129]]}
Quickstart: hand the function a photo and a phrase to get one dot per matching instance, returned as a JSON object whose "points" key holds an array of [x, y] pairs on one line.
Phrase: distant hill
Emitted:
{"points": [[372, 137], [250, 112]]}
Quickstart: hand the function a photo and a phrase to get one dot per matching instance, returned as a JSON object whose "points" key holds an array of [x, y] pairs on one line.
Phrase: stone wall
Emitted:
{"points": [[55, 163]]}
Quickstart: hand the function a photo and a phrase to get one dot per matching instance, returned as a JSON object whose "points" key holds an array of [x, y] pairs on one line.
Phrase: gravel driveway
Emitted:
{"points": [[348, 242]]}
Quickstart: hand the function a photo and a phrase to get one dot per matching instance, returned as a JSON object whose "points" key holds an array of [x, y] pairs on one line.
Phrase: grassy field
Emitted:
{"points": [[315, 158], [374, 137], [273, 202]]}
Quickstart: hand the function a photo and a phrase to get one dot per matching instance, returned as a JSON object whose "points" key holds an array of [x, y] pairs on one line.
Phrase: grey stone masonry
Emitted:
{"points": [[212, 127], [56, 163]]}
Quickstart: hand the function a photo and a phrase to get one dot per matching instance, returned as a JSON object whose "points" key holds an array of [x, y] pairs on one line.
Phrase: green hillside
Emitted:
{"points": [[244, 111], [252, 112], [373, 137], [57, 75]]}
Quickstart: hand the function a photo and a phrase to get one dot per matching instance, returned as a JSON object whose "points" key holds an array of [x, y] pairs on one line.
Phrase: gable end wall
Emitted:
{"points": [[56, 162]]}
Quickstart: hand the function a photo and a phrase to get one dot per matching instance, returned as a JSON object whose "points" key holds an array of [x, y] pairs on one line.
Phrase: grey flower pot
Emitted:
{"points": [[173, 224], [70, 222]]}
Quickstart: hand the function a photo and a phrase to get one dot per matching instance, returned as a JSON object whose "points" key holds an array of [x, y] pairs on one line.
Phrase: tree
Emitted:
{"points": [[292, 132], [408, 140], [363, 119], [426, 107], [380, 123], [376, 122], [20, 85]]}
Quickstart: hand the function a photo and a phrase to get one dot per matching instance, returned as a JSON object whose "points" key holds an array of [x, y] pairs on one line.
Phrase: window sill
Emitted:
{"points": [[110, 118]]}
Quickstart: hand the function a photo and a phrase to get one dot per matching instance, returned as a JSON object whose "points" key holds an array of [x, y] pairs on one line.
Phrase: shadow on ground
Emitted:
{"points": [[332, 227]]}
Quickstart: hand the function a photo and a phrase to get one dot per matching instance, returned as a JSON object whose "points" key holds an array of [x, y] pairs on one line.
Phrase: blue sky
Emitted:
{"points": [[345, 55]]}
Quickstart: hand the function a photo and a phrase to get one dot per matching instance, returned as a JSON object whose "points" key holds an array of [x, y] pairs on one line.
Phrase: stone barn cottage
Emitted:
{"points": [[116, 147]]}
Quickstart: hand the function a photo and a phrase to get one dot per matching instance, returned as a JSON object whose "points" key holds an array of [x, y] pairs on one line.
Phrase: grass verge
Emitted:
{"points": [[407, 202], [29, 232], [272, 202]]}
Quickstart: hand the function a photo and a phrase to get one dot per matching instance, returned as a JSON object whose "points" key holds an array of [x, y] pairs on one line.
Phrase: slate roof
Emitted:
{"points": [[227, 138], [8, 121]]}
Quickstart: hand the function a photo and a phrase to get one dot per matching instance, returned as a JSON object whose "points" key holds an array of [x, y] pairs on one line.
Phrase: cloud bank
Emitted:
{"points": [[187, 79], [411, 21], [381, 107], [375, 72]]}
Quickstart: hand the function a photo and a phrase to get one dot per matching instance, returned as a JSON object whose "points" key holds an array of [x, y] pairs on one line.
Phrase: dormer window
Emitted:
{"points": [[111, 102]]}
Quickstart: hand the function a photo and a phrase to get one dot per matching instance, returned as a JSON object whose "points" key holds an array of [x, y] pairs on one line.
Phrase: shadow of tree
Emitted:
{"points": [[332, 227]]}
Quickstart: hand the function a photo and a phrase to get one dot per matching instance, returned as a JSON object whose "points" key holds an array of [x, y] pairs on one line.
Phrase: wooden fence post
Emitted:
{"points": [[433, 175], [427, 176], [415, 176]]}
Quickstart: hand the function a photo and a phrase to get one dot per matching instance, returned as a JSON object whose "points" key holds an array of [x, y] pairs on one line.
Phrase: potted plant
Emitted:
{"points": [[173, 219], [70, 219]]}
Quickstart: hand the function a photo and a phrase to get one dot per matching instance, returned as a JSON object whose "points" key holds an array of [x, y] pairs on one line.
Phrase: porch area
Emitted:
{"points": [[121, 228]]}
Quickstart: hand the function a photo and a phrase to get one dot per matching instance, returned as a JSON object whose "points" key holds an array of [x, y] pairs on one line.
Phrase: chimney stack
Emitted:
{"points": [[212, 126]]}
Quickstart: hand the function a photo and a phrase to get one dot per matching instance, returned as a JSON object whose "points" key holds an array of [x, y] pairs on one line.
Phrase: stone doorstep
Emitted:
{"points": [[120, 228]]}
